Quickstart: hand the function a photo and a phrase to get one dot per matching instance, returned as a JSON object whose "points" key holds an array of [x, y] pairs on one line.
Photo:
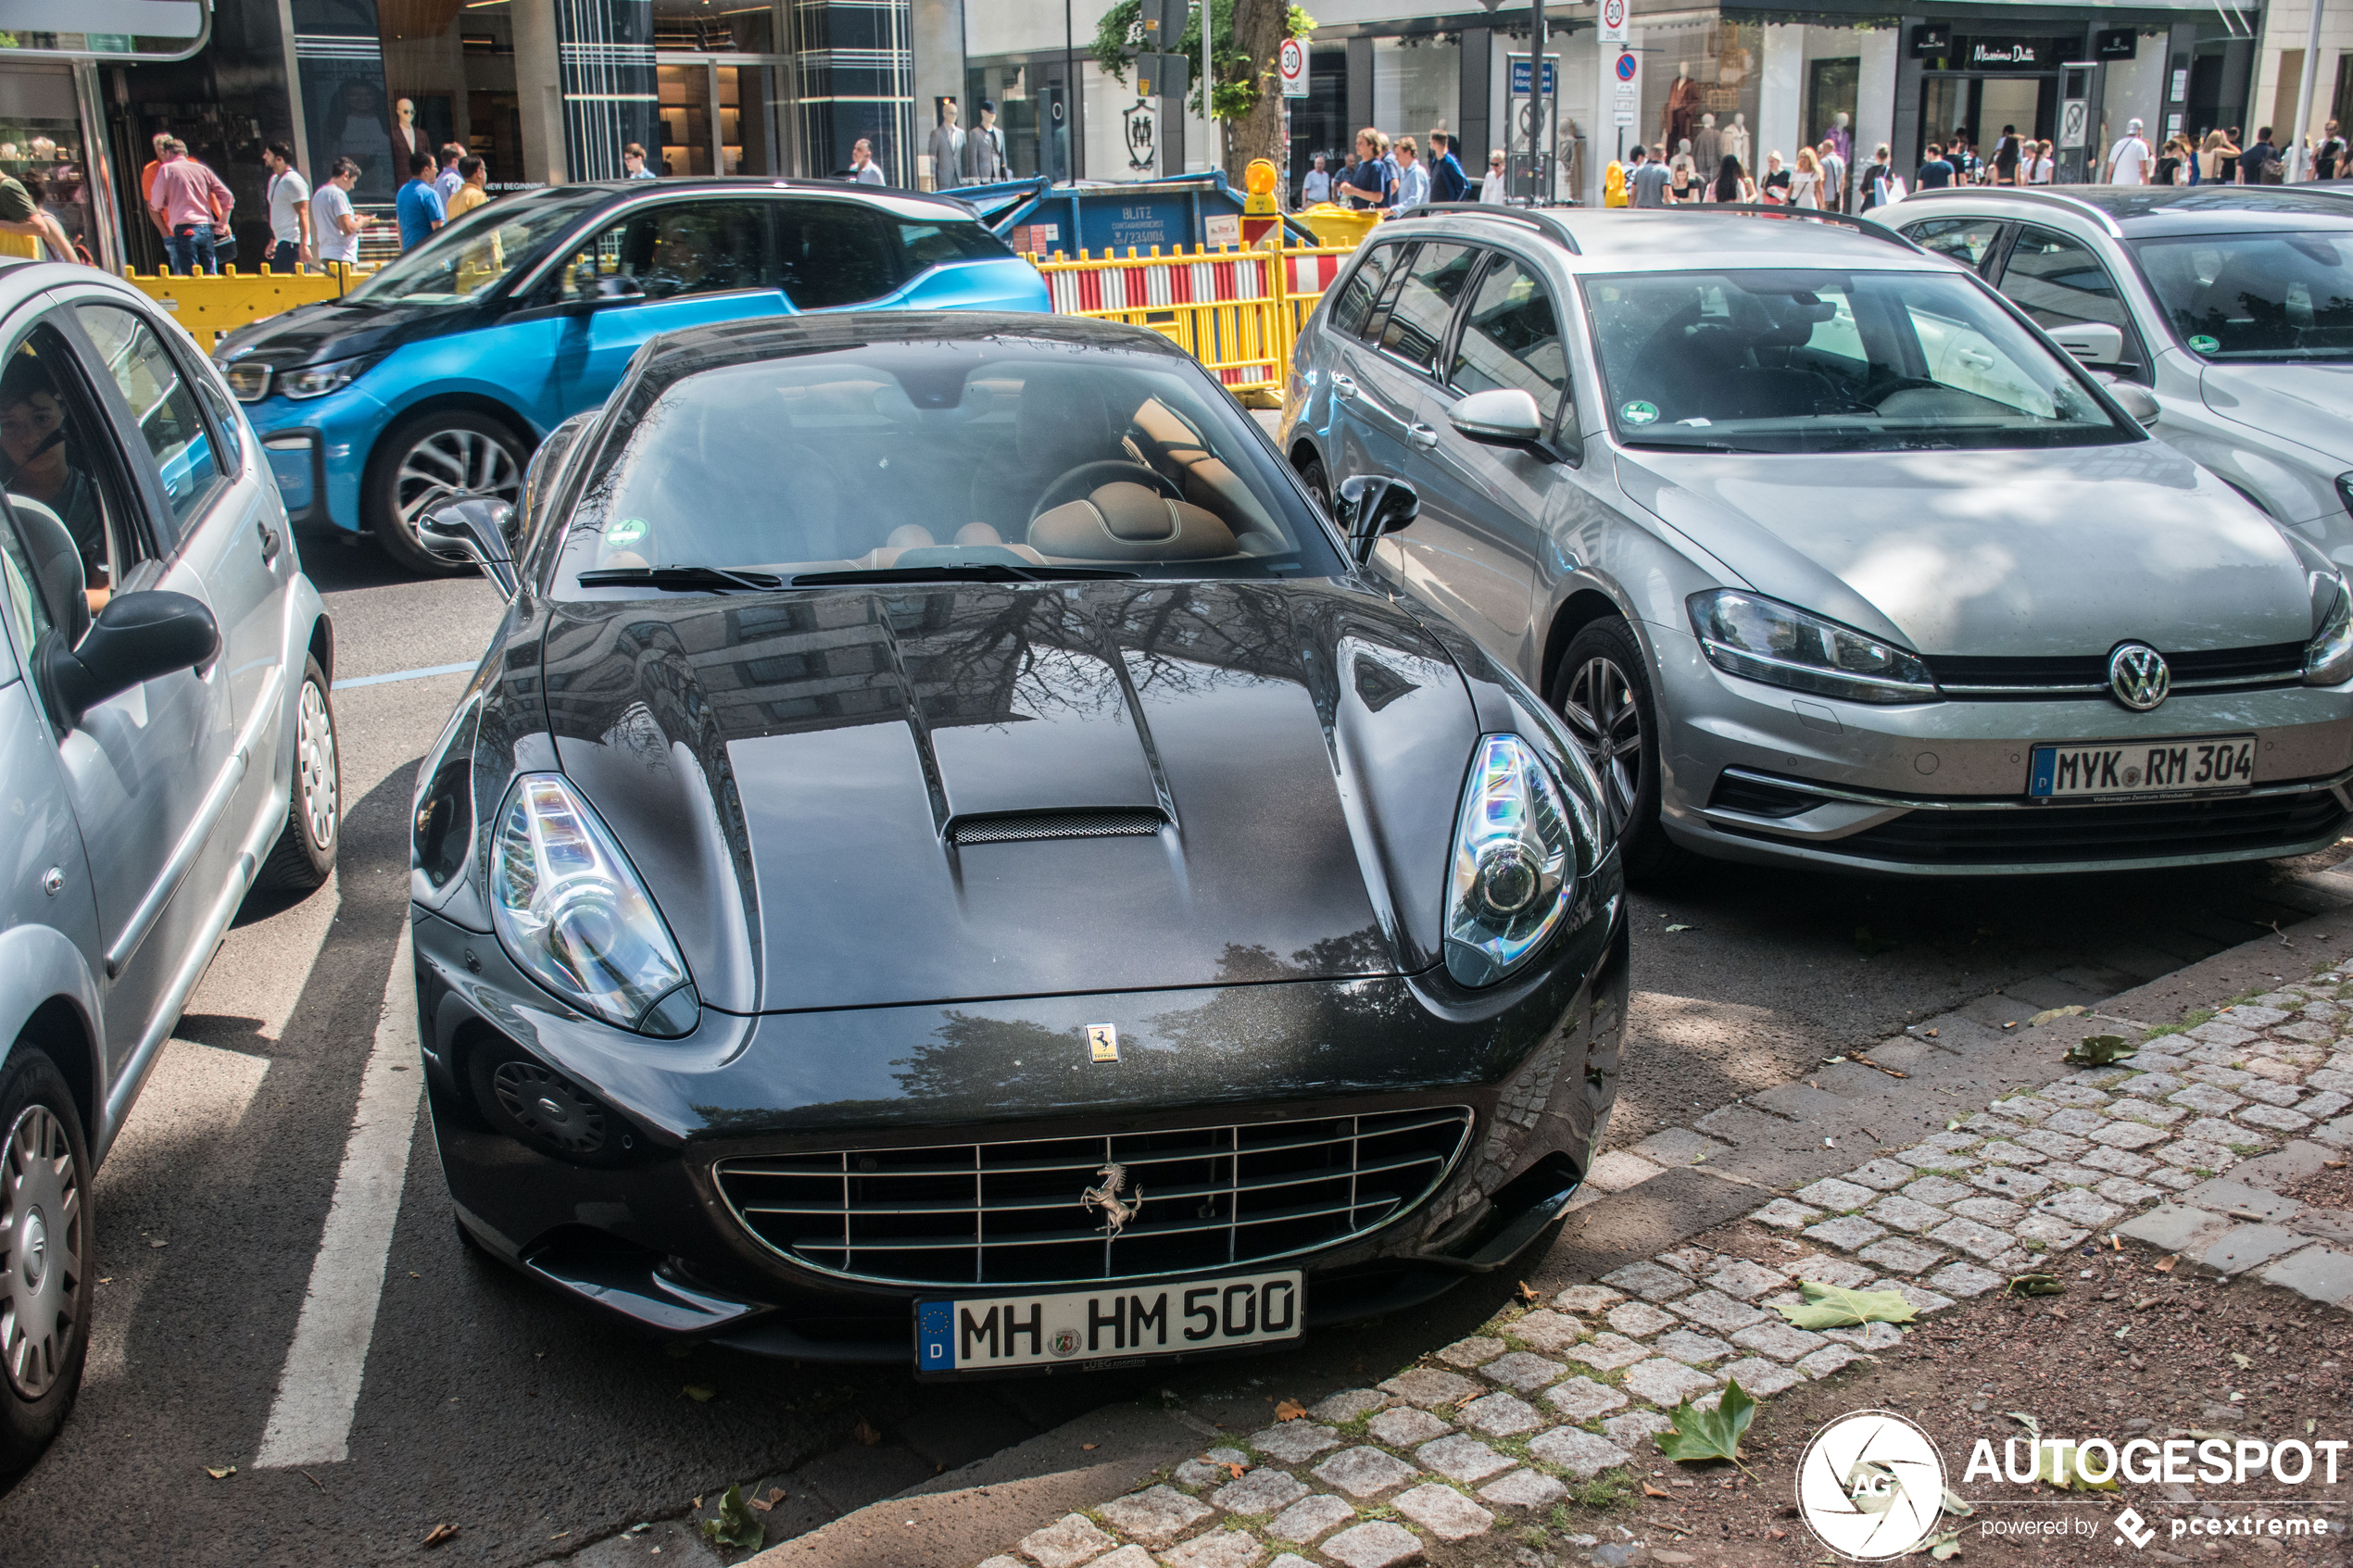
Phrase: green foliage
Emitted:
{"points": [[1119, 37], [2099, 1050], [1830, 1306], [2036, 1285], [1704, 1435], [735, 1526], [1604, 1492]]}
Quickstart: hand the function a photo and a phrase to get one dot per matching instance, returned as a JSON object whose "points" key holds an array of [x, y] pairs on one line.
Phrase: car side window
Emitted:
{"points": [[169, 419], [61, 464], [1363, 288], [925, 246], [1967, 240], [1512, 338], [677, 249], [21, 601], [1416, 330], [835, 252], [2060, 283]]}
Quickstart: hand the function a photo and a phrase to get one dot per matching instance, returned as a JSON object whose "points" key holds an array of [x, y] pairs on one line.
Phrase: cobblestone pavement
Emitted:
{"points": [[2178, 1146]]}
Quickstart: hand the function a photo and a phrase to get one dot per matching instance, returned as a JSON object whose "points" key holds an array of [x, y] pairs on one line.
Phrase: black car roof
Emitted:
{"points": [[671, 357]]}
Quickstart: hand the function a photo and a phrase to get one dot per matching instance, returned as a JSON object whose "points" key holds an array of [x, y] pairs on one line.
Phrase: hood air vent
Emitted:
{"points": [[1014, 826]]}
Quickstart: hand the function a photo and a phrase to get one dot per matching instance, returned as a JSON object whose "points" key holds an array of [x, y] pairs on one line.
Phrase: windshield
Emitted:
{"points": [[1808, 361], [2257, 296], [468, 258], [936, 462]]}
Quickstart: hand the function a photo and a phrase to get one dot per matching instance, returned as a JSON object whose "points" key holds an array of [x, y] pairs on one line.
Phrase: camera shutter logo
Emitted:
{"points": [[1870, 1486]]}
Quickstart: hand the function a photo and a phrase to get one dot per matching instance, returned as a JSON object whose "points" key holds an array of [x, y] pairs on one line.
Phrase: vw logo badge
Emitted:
{"points": [[2136, 673]]}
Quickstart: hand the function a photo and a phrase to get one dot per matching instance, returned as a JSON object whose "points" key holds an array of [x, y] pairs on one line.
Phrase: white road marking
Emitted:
{"points": [[406, 675], [310, 1420]]}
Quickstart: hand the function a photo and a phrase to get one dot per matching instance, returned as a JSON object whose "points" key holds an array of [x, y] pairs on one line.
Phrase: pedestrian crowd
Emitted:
{"points": [[1385, 174]]}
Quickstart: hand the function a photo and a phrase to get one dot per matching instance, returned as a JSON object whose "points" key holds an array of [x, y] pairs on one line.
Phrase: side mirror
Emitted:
{"points": [[2091, 343], [137, 637], [2134, 399], [474, 528], [1504, 417], [1372, 505]]}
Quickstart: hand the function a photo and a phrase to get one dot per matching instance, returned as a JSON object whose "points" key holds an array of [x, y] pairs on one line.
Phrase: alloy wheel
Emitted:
{"points": [[41, 1242], [1600, 711], [452, 462], [315, 765]]}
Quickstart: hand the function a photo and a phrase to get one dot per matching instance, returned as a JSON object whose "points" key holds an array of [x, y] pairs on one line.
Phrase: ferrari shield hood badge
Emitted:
{"points": [[1103, 1042]]}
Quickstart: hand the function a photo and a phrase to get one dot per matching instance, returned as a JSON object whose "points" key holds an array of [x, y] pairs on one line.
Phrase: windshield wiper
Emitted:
{"points": [[979, 571], [679, 579]]}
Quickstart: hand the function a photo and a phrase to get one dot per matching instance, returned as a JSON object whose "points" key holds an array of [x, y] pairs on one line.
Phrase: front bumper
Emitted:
{"points": [[1761, 773], [318, 451], [643, 1228]]}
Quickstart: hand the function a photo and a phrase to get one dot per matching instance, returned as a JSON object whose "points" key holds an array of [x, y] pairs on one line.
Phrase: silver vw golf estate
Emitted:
{"points": [[166, 744], [1823, 550]]}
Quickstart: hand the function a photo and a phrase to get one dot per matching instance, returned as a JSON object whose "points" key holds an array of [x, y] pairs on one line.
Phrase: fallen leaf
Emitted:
{"points": [[1945, 1545], [2165, 1265], [1651, 1491], [1287, 1409], [2049, 1013], [1956, 1505], [2099, 1050], [1234, 1470], [735, 1524], [1705, 1435], [1930, 1033], [1682, 928], [1951, 1126], [440, 1533], [2036, 1285], [1830, 1306], [701, 1393], [864, 1432], [699, 1502], [220, 1472], [2243, 1359], [1526, 1291], [159, 1243]]}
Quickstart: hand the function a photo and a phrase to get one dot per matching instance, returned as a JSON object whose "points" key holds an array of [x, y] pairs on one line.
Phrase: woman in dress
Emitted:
{"points": [[2217, 159], [1682, 176], [1732, 183], [1805, 185], [2006, 158]]}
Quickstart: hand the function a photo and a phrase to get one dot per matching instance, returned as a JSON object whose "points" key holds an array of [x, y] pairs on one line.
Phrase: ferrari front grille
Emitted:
{"points": [[1075, 1209]]}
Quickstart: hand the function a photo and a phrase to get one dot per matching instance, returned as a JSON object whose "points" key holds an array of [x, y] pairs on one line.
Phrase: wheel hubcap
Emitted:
{"points": [[451, 463], [41, 1226], [1600, 709], [315, 766]]}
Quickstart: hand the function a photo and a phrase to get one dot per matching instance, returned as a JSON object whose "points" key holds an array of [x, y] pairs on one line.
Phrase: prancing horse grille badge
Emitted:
{"points": [[1103, 1042]]}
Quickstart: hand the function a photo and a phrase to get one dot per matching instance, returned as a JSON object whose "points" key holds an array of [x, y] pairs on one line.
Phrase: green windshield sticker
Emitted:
{"points": [[2205, 345], [1638, 413], [628, 531]]}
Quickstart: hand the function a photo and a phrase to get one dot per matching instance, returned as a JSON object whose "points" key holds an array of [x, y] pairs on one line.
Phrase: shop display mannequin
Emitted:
{"points": [[407, 141], [1840, 136], [1736, 140], [1683, 106], [1707, 148]]}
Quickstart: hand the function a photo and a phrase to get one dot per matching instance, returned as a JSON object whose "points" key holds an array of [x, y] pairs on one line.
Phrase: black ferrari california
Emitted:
{"points": [[946, 859]]}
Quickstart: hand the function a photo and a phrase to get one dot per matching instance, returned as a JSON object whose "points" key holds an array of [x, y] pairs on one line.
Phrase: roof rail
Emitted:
{"points": [[2093, 210], [1773, 209], [1549, 227]]}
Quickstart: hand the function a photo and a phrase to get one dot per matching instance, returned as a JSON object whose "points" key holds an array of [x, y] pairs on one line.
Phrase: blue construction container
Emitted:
{"points": [[1032, 215]]}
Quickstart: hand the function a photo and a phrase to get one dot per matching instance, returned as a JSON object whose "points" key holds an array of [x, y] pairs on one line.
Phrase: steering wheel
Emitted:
{"points": [[1086, 477]]}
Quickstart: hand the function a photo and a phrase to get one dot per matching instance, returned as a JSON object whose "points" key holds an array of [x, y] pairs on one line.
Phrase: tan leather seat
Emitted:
{"points": [[1124, 521], [1065, 417]]}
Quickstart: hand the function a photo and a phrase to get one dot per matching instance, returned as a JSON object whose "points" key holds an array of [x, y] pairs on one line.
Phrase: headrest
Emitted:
{"points": [[56, 566], [1124, 521], [1063, 418], [909, 536]]}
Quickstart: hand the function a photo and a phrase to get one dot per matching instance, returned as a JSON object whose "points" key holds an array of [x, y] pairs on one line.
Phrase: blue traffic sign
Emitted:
{"points": [[1626, 65], [1521, 76]]}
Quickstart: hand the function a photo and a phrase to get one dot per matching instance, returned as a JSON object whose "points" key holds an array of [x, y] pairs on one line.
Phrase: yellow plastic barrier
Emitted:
{"points": [[1343, 227], [208, 305], [1236, 311]]}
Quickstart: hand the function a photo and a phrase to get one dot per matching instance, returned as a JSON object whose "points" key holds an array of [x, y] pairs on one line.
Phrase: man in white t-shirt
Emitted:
{"points": [[2128, 161], [290, 247], [338, 227]]}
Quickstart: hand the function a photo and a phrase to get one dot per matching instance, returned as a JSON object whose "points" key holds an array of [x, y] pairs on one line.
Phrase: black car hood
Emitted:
{"points": [[792, 773], [322, 333]]}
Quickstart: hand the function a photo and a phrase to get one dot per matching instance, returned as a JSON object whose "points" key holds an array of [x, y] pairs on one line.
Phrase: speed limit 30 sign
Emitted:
{"points": [[1613, 22], [1291, 63]]}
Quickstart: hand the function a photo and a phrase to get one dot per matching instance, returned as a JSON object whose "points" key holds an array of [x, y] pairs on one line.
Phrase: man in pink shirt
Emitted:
{"points": [[193, 203]]}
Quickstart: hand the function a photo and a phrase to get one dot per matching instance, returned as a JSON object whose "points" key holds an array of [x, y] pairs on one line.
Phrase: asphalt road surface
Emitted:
{"points": [[475, 1398]]}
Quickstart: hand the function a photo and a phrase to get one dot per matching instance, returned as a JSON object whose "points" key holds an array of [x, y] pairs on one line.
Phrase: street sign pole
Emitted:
{"points": [[1537, 58]]}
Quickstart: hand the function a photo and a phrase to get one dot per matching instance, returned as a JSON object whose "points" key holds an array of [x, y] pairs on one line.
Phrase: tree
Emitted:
{"points": [[1244, 37]]}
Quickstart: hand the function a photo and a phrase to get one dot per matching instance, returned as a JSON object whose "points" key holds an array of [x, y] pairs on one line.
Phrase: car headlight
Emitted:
{"points": [[569, 908], [1514, 865], [317, 381], [1766, 640], [2328, 657]]}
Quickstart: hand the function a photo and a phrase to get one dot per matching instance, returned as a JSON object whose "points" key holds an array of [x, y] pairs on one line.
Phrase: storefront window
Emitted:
{"points": [[1417, 84], [1700, 86], [1319, 121], [41, 145]]}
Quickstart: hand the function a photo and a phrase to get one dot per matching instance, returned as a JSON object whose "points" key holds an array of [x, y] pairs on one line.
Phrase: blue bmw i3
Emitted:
{"points": [[439, 374]]}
